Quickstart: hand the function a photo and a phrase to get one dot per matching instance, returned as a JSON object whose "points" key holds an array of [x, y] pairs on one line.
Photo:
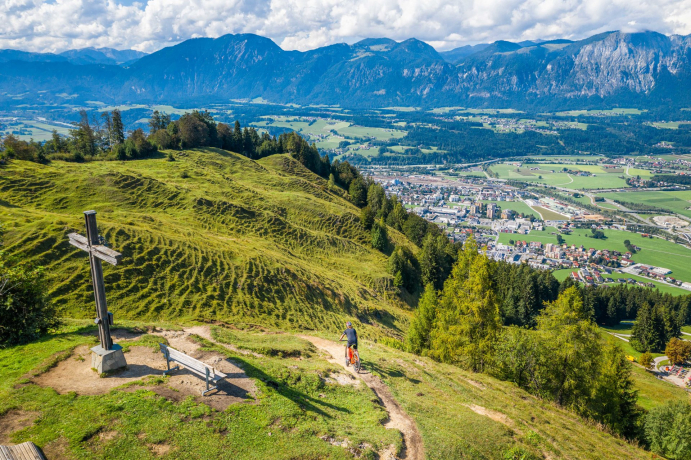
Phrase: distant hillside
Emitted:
{"points": [[108, 56], [236, 240], [613, 68], [84, 56]]}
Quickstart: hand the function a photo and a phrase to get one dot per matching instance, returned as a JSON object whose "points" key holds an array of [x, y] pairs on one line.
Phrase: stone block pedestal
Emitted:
{"points": [[107, 360]]}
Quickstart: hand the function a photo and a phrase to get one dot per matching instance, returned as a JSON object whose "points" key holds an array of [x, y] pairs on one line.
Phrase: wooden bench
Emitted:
{"points": [[209, 373], [23, 451]]}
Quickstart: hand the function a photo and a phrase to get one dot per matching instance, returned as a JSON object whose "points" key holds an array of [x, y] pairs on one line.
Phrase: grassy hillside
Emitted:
{"points": [[300, 408], [211, 236]]}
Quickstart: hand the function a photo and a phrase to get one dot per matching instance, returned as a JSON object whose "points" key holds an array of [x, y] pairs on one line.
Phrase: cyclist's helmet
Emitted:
{"points": [[349, 324]]}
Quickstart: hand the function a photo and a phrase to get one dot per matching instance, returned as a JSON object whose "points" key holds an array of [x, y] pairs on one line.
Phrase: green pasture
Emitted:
{"points": [[668, 124], [677, 201], [662, 287], [401, 109], [548, 214], [655, 251], [321, 130], [554, 175], [39, 131], [608, 112], [518, 206]]}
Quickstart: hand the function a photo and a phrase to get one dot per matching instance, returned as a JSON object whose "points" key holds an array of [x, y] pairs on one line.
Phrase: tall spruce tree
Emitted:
{"points": [[118, 129], [418, 338]]}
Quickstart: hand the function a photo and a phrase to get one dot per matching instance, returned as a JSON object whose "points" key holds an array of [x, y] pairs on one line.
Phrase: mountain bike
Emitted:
{"points": [[353, 358]]}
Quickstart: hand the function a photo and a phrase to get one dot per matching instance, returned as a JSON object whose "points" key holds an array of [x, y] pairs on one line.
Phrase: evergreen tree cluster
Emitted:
{"points": [[90, 138], [554, 350], [654, 327], [433, 262]]}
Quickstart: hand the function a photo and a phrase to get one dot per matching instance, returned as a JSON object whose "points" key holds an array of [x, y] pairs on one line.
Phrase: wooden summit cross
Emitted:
{"points": [[97, 253]]}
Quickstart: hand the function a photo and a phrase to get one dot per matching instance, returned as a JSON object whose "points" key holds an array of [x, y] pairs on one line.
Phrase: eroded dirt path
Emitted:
{"points": [[398, 419]]}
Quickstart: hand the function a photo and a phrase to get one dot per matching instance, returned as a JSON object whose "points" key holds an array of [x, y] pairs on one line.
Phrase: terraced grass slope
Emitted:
{"points": [[210, 236]]}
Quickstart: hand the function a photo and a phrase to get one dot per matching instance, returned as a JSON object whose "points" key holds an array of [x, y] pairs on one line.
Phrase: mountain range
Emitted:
{"points": [[613, 68], [107, 56]]}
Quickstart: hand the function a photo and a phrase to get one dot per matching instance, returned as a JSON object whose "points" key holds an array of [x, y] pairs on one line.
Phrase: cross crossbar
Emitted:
{"points": [[102, 252], [97, 252]]}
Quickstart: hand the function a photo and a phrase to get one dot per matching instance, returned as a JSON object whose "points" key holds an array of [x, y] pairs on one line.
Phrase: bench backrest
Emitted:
{"points": [[187, 361]]}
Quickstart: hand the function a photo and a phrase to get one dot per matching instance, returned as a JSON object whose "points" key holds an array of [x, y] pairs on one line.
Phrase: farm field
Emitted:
{"points": [[609, 112], [564, 273], [26, 129], [553, 175], [518, 206], [655, 251], [544, 236], [677, 202], [548, 214], [328, 134], [624, 327], [662, 287], [668, 124]]}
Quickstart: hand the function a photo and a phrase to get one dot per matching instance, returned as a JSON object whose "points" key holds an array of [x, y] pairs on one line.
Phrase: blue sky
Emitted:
{"points": [[148, 25]]}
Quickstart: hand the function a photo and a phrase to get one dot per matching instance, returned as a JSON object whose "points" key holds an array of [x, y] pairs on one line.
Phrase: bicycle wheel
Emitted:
{"points": [[358, 365]]}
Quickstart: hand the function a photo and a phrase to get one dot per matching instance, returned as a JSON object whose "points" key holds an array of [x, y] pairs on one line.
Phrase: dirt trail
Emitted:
{"points": [[75, 373], [398, 419]]}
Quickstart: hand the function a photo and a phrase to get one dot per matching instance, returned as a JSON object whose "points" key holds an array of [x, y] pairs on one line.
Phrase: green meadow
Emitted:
{"points": [[211, 235], [518, 206], [677, 202], [655, 251], [554, 175]]}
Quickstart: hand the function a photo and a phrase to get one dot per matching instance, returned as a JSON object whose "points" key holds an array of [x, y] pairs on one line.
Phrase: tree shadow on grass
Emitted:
{"points": [[304, 401]]}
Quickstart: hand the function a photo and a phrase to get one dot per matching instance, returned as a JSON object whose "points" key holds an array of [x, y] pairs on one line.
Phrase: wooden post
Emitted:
{"points": [[97, 253], [97, 278]]}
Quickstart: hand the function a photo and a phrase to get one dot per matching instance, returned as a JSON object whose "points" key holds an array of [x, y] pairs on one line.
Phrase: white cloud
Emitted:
{"points": [[56, 25]]}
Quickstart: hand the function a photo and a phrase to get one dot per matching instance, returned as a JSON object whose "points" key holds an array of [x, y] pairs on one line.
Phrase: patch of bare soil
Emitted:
{"points": [[13, 421], [494, 415], [57, 450], [398, 419], [159, 449], [75, 373]]}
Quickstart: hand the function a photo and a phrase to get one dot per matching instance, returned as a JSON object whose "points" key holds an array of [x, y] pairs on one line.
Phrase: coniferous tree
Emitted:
{"points": [[418, 338], [468, 323], [238, 141], [380, 239], [118, 129], [83, 138], [358, 192], [648, 332], [668, 430], [366, 217], [614, 400]]}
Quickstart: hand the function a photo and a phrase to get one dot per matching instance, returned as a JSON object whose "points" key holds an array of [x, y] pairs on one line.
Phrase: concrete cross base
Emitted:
{"points": [[107, 360]]}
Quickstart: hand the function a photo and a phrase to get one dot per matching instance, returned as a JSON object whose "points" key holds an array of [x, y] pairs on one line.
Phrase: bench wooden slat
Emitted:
{"points": [[23, 451], [192, 365], [35, 451]]}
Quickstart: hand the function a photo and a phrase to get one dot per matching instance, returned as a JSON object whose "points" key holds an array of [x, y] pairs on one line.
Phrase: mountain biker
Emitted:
{"points": [[352, 338]]}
